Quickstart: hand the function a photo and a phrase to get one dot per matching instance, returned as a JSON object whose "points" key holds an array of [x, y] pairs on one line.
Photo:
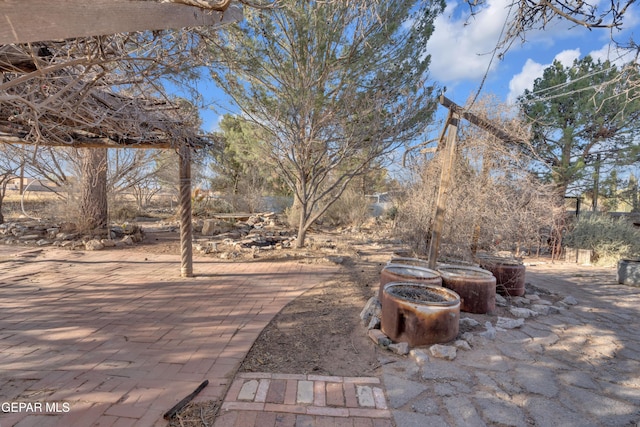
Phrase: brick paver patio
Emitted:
{"points": [[116, 338], [290, 400]]}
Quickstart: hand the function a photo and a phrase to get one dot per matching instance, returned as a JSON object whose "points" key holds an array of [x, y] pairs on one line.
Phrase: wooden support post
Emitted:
{"points": [[186, 233], [443, 190]]}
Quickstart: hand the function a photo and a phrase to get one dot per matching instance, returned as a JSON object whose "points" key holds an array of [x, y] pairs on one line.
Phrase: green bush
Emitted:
{"points": [[610, 239]]}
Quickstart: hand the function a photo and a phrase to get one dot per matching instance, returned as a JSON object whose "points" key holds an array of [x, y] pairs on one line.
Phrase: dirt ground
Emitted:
{"points": [[320, 332]]}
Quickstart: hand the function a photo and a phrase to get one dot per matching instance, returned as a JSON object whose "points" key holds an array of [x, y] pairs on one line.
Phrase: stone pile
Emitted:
{"points": [[228, 239], [52, 234]]}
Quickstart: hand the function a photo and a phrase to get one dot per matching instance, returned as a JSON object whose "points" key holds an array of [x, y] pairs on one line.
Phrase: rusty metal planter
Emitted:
{"points": [[476, 287], [509, 274], [431, 320], [407, 273], [415, 262]]}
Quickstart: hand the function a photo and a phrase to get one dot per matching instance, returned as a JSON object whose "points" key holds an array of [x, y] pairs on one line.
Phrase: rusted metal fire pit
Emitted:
{"points": [[407, 273], [476, 287], [419, 314]]}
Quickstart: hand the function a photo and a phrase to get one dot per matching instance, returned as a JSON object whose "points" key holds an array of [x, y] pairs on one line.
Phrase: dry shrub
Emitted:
{"points": [[292, 215], [493, 203], [352, 208], [248, 201], [610, 239]]}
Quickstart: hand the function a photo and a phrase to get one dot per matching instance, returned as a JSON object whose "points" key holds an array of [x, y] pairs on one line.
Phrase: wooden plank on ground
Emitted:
{"points": [[23, 21]]}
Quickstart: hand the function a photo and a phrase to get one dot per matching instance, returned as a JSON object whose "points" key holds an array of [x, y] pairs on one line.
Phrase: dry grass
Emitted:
{"points": [[196, 414]]}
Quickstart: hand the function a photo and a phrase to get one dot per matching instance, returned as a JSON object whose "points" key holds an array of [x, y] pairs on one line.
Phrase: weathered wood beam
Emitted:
{"points": [[81, 142], [24, 21], [443, 189], [479, 121]]}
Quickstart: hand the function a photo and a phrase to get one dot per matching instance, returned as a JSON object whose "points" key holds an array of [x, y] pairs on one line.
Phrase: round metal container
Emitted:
{"points": [[407, 273], [416, 262], [476, 287], [509, 274], [419, 314]]}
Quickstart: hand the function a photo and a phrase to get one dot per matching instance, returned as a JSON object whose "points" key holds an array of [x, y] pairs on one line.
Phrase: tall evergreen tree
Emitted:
{"points": [[330, 83], [581, 115]]}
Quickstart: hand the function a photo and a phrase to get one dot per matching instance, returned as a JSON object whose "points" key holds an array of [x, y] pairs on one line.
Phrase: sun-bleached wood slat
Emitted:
{"points": [[23, 21]]}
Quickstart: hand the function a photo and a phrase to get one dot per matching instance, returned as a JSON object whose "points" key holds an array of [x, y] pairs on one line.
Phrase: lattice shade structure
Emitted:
{"points": [[25, 21], [82, 75]]}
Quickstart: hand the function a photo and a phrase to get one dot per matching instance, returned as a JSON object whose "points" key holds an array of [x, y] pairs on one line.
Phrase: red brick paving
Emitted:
{"points": [[121, 338], [334, 402]]}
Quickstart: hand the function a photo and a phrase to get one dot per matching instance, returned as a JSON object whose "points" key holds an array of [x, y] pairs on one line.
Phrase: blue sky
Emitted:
{"points": [[461, 49]]}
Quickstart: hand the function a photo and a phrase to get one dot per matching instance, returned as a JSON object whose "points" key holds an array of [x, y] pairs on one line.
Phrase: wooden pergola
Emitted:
{"points": [[51, 99]]}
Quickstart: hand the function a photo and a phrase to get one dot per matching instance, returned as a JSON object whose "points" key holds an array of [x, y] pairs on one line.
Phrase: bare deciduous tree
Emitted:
{"points": [[10, 164], [494, 202]]}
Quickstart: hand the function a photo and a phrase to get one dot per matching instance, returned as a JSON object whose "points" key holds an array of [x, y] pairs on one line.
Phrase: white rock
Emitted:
{"points": [[490, 333], [541, 309], [374, 323], [569, 300], [127, 240], [419, 356], [93, 245], [401, 348], [378, 337], [108, 243], [533, 297], [507, 323], [371, 308], [462, 345], [467, 321], [468, 337], [523, 313], [520, 300], [443, 351], [501, 301]]}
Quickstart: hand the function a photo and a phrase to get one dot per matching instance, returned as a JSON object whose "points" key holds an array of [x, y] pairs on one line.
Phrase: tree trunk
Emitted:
{"points": [[559, 223], [93, 197], [302, 222], [3, 193]]}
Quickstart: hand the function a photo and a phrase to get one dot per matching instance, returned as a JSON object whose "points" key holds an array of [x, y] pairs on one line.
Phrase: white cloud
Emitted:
{"points": [[617, 56], [532, 70], [461, 47], [524, 79], [566, 57]]}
